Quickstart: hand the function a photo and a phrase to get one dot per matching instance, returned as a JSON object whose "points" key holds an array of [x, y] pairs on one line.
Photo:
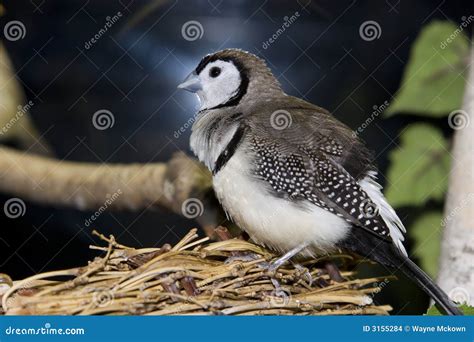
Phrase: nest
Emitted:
{"points": [[194, 277]]}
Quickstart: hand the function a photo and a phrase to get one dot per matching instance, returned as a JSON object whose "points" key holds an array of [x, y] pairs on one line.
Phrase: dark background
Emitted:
{"points": [[133, 71]]}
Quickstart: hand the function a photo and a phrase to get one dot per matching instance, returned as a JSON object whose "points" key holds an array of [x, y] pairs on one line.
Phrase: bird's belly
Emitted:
{"points": [[276, 222]]}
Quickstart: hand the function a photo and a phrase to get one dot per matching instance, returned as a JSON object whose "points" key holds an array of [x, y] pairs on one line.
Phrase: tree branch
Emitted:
{"points": [[456, 274], [88, 186]]}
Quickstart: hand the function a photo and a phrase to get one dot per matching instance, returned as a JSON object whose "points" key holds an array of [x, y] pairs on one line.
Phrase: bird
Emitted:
{"points": [[290, 174]]}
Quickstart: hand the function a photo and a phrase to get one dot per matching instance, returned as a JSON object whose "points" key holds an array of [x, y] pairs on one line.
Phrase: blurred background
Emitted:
{"points": [[126, 57]]}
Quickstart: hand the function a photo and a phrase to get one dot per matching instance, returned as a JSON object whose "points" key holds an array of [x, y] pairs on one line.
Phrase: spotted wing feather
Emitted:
{"points": [[315, 178]]}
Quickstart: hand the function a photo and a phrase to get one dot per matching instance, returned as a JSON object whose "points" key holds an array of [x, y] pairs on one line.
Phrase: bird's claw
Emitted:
{"points": [[271, 269]]}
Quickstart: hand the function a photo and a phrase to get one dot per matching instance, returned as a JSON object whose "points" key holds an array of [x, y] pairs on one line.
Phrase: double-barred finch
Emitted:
{"points": [[287, 172]]}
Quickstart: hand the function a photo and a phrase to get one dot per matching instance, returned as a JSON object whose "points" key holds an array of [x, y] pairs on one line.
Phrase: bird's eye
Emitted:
{"points": [[214, 72]]}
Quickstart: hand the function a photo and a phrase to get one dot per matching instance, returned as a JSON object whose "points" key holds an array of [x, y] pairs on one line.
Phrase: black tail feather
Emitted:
{"points": [[385, 253], [443, 303]]}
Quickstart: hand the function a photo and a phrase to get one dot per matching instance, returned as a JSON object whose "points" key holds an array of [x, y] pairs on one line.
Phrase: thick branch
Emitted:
{"points": [[456, 274], [88, 186]]}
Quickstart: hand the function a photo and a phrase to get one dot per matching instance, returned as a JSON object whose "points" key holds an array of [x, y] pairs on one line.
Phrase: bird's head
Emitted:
{"points": [[228, 77]]}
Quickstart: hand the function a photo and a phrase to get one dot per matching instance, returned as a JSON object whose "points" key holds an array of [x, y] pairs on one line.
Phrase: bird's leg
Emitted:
{"points": [[274, 266]]}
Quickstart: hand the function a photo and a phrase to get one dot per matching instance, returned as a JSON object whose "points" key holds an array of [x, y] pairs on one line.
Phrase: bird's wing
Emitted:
{"points": [[302, 123], [310, 155]]}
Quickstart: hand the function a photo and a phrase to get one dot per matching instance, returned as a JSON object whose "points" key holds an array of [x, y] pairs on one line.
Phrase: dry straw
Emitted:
{"points": [[194, 277]]}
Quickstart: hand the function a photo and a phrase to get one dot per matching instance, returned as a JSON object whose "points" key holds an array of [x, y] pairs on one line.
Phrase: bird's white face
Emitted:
{"points": [[217, 83], [220, 82]]}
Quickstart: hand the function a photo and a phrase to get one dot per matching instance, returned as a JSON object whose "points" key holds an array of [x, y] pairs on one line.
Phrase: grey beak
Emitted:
{"points": [[191, 83]]}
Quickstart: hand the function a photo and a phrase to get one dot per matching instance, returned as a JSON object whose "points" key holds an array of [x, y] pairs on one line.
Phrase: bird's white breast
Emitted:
{"points": [[276, 222]]}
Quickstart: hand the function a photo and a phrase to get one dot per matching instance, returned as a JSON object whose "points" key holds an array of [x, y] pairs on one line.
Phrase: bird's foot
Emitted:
{"points": [[273, 267]]}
